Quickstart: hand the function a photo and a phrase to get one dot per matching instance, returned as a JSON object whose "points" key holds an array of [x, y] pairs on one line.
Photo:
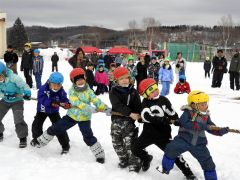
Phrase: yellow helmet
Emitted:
{"points": [[197, 97], [28, 45]]}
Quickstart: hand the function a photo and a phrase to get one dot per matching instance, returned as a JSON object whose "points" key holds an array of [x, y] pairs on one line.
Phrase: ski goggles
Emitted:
{"points": [[150, 90]]}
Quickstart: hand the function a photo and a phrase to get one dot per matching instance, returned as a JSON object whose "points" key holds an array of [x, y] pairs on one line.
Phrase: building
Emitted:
{"points": [[3, 34]]}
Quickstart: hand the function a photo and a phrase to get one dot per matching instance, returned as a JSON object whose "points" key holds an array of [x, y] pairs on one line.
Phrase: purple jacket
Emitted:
{"points": [[46, 97]]}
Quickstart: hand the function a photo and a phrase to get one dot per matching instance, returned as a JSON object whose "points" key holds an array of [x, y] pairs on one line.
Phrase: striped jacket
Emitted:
{"points": [[37, 64]]}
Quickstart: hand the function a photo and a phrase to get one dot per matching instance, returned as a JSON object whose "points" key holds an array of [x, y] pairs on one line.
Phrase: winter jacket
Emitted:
{"points": [[10, 58], [90, 78], [46, 97], [82, 101], [219, 63], [207, 65], [94, 59], [235, 63], [108, 60], [181, 88], [27, 60], [141, 71], [125, 100], [101, 77], [166, 74], [73, 62], [54, 59], [118, 60], [38, 64], [11, 90], [193, 126], [132, 70], [110, 75], [156, 115], [180, 65], [153, 70]]}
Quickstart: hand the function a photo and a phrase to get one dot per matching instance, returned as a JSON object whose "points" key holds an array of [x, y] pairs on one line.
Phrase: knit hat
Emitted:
{"points": [[167, 59], [76, 74], [147, 86], [120, 72]]}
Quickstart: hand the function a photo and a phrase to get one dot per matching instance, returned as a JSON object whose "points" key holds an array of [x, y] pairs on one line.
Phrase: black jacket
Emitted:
{"points": [[235, 63], [27, 60], [90, 78], [54, 59], [207, 65], [125, 100], [10, 57], [156, 116], [141, 71], [219, 63]]}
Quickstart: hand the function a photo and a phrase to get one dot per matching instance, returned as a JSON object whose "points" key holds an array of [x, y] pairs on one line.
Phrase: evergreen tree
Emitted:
{"points": [[17, 36]]}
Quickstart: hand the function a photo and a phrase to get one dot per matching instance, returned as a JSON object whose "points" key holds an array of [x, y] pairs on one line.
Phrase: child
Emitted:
{"points": [[110, 75], [37, 67], [156, 115], [90, 76], [50, 95], [132, 69], [207, 67], [191, 135], [126, 108], [165, 77], [182, 86], [12, 91], [81, 97], [153, 69], [101, 78]]}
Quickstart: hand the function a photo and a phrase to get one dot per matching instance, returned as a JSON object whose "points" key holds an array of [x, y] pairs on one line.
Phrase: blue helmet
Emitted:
{"points": [[182, 77], [56, 78], [36, 51], [2, 68]]}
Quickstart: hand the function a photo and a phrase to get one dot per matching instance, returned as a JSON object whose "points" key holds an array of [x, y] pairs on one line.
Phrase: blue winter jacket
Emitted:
{"points": [[46, 97], [38, 64], [166, 74], [11, 90]]}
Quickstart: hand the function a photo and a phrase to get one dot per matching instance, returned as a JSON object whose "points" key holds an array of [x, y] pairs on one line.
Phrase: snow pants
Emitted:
{"points": [[217, 78], [123, 134], [234, 79], [38, 79], [165, 88], [62, 125], [37, 127], [21, 127]]}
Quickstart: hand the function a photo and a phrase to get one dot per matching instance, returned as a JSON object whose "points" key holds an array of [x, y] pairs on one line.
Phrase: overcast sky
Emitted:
{"points": [[117, 13]]}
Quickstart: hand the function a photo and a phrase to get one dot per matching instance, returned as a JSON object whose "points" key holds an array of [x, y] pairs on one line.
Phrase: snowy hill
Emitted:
{"points": [[47, 163]]}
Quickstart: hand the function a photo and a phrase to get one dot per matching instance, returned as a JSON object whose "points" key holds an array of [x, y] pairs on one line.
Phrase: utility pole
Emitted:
{"points": [[3, 34]]}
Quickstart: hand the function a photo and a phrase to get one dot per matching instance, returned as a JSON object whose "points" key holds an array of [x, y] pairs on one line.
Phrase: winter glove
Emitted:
{"points": [[223, 131], [108, 111], [27, 95], [66, 105]]}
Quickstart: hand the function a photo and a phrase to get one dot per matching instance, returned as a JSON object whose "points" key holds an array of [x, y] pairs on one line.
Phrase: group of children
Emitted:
{"points": [[155, 112]]}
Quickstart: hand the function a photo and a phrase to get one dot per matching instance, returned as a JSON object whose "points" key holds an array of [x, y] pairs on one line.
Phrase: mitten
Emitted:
{"points": [[27, 95], [67, 105], [91, 109], [223, 131]]}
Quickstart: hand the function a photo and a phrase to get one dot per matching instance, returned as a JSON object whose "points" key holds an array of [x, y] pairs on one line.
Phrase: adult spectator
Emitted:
{"points": [[219, 63], [141, 70], [234, 70], [108, 59], [27, 63], [147, 59], [78, 60], [54, 60], [94, 58], [11, 59], [180, 65]]}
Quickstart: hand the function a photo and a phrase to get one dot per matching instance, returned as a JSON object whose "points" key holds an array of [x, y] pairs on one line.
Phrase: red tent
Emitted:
{"points": [[120, 51], [90, 49]]}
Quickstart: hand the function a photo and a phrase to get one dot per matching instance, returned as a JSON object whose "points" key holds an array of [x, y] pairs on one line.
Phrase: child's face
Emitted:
{"points": [[80, 82], [130, 62], [100, 68], [55, 87], [124, 82], [153, 94], [36, 54], [166, 62], [90, 68], [2, 78], [202, 107]]}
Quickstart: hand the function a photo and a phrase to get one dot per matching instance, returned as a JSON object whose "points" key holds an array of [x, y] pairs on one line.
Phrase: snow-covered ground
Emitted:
{"points": [[47, 163]]}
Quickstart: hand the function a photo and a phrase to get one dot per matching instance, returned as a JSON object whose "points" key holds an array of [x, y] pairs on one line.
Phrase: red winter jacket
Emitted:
{"points": [[182, 88]]}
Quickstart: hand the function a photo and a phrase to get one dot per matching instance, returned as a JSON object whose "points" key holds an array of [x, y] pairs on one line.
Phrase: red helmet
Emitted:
{"points": [[120, 72], [145, 85], [76, 72]]}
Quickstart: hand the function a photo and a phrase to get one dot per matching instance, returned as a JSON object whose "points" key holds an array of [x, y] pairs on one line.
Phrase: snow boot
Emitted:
{"points": [[184, 167], [123, 164], [34, 142], [44, 139], [134, 168], [1, 137], [146, 163], [65, 150], [23, 142], [98, 152], [210, 175]]}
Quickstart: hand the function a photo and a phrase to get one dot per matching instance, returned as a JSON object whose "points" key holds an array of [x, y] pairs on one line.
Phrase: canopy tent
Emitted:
{"points": [[90, 49], [122, 50]]}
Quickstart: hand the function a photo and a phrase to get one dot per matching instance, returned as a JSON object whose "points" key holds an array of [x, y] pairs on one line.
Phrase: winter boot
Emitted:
{"points": [[98, 152], [23, 142], [146, 163], [134, 168], [44, 139], [184, 167], [123, 164], [210, 175], [1, 137], [34, 142], [65, 149]]}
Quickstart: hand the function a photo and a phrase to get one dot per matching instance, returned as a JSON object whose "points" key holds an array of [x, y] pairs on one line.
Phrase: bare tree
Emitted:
{"points": [[149, 25], [132, 27], [226, 24]]}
